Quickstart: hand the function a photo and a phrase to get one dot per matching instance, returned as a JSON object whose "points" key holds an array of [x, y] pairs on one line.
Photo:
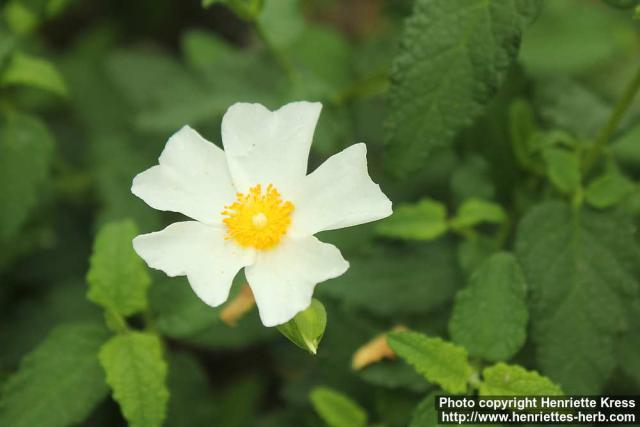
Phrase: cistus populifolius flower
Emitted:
{"points": [[254, 206]]}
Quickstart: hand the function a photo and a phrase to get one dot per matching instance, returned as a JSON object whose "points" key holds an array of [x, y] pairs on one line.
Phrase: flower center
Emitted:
{"points": [[258, 219]]}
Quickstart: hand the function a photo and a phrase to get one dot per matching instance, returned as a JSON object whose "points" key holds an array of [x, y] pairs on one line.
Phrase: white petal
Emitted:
{"points": [[192, 178], [338, 194], [282, 279], [269, 147], [199, 252]]}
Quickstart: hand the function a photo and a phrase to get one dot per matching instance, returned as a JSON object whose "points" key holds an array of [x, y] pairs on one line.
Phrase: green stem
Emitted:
{"points": [[280, 59], [614, 120]]}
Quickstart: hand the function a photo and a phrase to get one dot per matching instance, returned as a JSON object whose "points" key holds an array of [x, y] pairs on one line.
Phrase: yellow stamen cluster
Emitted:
{"points": [[258, 220]]}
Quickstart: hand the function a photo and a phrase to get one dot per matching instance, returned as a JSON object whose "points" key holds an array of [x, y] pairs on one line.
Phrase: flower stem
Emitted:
{"points": [[614, 120]]}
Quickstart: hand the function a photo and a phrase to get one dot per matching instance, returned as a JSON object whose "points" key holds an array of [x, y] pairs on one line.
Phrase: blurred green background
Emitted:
{"points": [[91, 90]]}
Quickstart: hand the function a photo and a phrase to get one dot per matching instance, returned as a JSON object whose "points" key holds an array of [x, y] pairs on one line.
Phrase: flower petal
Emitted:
{"points": [[192, 178], [269, 147], [338, 194], [199, 252], [282, 279]]}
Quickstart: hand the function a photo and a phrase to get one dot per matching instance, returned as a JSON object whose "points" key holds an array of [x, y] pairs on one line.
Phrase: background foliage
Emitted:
{"points": [[505, 131]]}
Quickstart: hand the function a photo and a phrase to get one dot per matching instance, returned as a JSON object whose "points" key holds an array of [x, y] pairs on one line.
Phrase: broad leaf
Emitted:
{"points": [[581, 266], [25, 155], [118, 279], [512, 380], [563, 169], [35, 72], [454, 56], [136, 372], [59, 383], [608, 189], [425, 220], [336, 409], [440, 362], [490, 315], [476, 211]]}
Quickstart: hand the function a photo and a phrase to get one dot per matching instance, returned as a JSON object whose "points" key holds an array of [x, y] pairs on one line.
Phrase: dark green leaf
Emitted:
{"points": [[25, 154], [581, 266], [490, 315], [454, 56], [59, 383]]}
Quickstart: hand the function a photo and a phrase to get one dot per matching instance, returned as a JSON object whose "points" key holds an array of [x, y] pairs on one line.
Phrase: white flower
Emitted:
{"points": [[254, 206]]}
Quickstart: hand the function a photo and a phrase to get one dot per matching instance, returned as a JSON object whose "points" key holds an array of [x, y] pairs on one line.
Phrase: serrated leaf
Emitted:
{"points": [[336, 409], [59, 383], [608, 189], [307, 327], [563, 169], [136, 372], [454, 56], [440, 362], [477, 211], [513, 380], [32, 71], [490, 315], [425, 220], [580, 266], [473, 251], [25, 155], [118, 279]]}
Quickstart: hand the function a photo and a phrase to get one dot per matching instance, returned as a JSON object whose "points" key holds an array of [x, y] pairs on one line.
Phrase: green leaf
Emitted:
{"points": [[425, 220], [192, 402], [440, 362], [608, 189], [245, 9], [25, 154], [472, 180], [476, 211], [336, 409], [473, 251], [415, 279], [581, 266], [281, 22], [118, 279], [587, 39], [455, 54], [626, 148], [563, 169], [32, 71], [513, 380], [394, 375], [136, 372], [307, 327], [20, 18], [490, 315], [623, 4], [426, 414], [59, 383]]}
